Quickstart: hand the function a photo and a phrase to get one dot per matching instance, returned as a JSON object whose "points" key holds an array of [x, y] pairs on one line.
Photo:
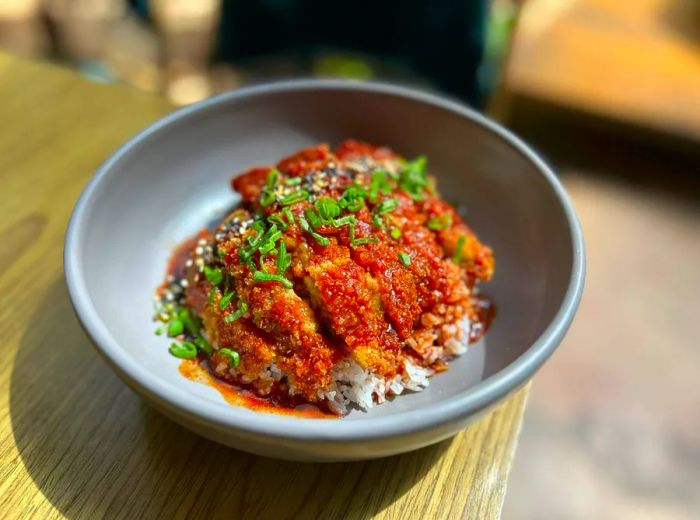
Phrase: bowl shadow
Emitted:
{"points": [[94, 449]]}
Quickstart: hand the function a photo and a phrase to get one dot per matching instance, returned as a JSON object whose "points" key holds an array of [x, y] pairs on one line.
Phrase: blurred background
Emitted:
{"points": [[607, 90]]}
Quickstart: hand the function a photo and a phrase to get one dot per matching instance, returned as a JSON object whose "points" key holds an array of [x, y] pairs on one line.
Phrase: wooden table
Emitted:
{"points": [[75, 441]]}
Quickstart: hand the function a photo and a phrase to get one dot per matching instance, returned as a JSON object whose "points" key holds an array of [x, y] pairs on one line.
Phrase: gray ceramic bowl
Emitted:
{"points": [[173, 178]]}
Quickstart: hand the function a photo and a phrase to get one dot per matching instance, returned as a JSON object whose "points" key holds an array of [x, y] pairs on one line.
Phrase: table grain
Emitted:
{"points": [[76, 442]]}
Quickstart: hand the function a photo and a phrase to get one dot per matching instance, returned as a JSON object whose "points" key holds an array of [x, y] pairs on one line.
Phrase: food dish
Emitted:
{"points": [[343, 279], [144, 200]]}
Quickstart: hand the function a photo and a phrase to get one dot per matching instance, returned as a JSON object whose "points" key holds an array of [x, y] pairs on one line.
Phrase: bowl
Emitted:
{"points": [[172, 179]]}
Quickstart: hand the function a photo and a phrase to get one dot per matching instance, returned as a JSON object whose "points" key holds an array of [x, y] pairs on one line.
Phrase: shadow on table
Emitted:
{"points": [[93, 449]]}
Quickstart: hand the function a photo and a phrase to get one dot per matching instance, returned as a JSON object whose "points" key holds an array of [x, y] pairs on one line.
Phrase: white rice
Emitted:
{"points": [[355, 386]]}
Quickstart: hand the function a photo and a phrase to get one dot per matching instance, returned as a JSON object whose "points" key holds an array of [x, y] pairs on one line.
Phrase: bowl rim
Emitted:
{"points": [[467, 403]]}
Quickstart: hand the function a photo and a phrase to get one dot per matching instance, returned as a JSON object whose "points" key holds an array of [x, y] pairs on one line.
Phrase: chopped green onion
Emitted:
{"points": [[292, 181], [175, 328], [327, 207], [274, 237], [186, 350], [295, 197], [395, 233], [405, 259], [377, 221], [414, 178], [272, 178], [203, 345], [441, 222], [290, 217], [387, 206], [238, 313], [191, 323], [457, 257], [342, 221], [259, 227], [354, 242], [284, 260], [265, 249], [226, 300], [378, 183], [313, 217], [365, 240], [234, 359], [353, 199], [267, 197], [260, 276], [271, 237], [214, 275], [304, 224], [159, 331], [319, 238], [248, 261], [278, 220], [269, 232]]}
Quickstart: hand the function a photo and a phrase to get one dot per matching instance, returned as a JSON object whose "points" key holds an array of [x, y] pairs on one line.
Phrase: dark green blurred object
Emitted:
{"points": [[438, 41]]}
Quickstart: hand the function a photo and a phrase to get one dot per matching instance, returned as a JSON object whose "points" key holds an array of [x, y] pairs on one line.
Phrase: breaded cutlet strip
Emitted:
{"points": [[348, 300], [303, 354]]}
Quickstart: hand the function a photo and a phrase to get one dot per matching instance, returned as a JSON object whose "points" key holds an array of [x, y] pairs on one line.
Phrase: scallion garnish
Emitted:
{"points": [[267, 197], [234, 359], [213, 274], [191, 323], [265, 249], [395, 233], [354, 242], [377, 221], [292, 181], [272, 237], [413, 178], [203, 345], [283, 260], [278, 220], [457, 257], [260, 276], [295, 197], [313, 217], [327, 207], [272, 178], [238, 313], [387, 206], [441, 222], [366, 240], [343, 221], [186, 350], [405, 259], [226, 300], [175, 328], [352, 199], [377, 184], [290, 217], [318, 237], [159, 331]]}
